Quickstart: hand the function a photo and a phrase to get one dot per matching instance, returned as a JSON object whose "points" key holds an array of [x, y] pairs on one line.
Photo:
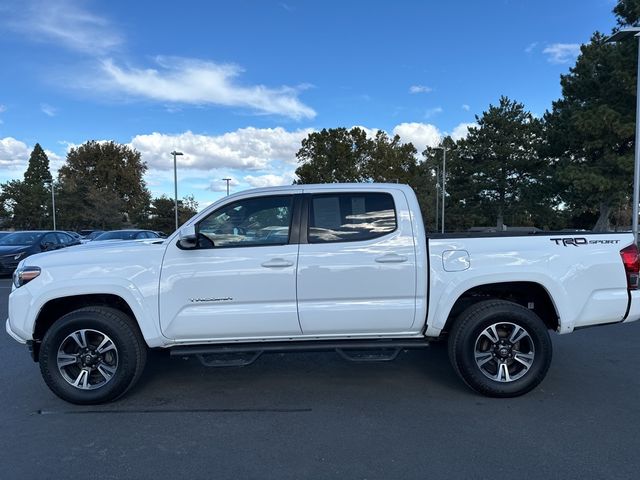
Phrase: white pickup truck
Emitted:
{"points": [[346, 267]]}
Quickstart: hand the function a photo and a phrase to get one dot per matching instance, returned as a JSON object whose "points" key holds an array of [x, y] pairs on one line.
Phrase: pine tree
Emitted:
{"points": [[591, 129], [28, 202], [496, 175]]}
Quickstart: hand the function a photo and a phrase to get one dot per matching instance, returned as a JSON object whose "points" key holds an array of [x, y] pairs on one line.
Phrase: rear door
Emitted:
{"points": [[357, 264]]}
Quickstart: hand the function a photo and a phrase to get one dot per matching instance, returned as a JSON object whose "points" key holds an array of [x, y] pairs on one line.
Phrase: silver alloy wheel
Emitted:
{"points": [[504, 352], [87, 359]]}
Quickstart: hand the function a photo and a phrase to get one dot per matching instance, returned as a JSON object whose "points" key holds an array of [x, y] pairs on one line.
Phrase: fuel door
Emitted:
{"points": [[455, 260]]}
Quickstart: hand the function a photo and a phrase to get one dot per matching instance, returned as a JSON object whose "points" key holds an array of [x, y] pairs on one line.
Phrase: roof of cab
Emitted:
{"points": [[312, 187]]}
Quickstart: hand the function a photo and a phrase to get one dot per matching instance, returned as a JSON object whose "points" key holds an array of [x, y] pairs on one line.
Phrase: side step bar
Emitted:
{"points": [[241, 354]]}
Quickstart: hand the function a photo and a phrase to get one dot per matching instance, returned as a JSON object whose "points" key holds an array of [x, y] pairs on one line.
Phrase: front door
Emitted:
{"points": [[240, 282]]}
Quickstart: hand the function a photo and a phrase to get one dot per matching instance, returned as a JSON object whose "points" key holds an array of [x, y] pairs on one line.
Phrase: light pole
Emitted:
{"points": [[437, 195], [444, 169], [227, 180], [175, 182], [616, 37], [53, 201]]}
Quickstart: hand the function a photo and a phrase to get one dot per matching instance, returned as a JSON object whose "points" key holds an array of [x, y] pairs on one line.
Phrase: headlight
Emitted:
{"points": [[25, 275]]}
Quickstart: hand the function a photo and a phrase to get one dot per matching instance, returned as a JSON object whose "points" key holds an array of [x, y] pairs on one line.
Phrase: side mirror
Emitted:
{"points": [[187, 238], [44, 246]]}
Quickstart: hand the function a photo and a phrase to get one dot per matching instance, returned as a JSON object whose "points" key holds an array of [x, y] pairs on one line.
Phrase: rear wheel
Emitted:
{"points": [[92, 355], [500, 348]]}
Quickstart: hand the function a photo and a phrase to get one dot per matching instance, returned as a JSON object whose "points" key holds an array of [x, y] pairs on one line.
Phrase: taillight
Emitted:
{"points": [[631, 263]]}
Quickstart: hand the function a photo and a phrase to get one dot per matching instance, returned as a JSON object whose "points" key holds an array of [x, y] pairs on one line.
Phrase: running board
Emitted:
{"points": [[242, 354]]}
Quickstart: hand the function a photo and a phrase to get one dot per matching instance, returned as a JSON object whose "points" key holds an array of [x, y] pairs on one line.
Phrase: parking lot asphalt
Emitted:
{"points": [[317, 416]]}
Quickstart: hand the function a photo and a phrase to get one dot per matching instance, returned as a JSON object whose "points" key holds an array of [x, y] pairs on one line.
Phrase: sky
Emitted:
{"points": [[237, 85]]}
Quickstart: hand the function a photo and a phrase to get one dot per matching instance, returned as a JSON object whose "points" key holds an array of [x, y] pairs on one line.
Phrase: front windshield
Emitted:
{"points": [[20, 238], [117, 235]]}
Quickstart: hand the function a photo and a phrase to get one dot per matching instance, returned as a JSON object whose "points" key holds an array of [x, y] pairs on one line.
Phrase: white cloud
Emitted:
{"points": [[420, 89], [14, 156], [371, 132], [466, 107], [462, 130], [270, 180], [48, 110], [246, 148], [175, 80], [3, 108], [433, 111], [66, 23], [562, 52], [531, 47], [421, 135], [198, 82]]}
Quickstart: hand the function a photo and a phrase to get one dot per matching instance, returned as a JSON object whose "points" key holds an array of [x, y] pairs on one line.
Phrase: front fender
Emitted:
{"points": [[27, 302]]}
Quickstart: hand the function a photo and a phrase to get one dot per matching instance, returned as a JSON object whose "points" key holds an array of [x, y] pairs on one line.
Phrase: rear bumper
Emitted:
{"points": [[634, 307]]}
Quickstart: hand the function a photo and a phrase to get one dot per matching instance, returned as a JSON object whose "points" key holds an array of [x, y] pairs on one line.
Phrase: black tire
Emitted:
{"points": [[468, 341], [129, 359]]}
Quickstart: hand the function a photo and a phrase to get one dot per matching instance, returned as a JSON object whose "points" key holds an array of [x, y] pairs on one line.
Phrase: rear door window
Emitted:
{"points": [[50, 238], [64, 238], [349, 217]]}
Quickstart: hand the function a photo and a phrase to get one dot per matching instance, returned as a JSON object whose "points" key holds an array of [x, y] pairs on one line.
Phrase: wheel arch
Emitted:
{"points": [[531, 295], [56, 308]]}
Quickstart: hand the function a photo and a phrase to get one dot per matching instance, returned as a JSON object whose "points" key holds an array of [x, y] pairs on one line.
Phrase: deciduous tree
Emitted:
{"points": [[162, 213], [101, 185]]}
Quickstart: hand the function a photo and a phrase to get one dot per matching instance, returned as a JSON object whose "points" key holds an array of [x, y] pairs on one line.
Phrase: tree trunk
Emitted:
{"points": [[602, 225], [500, 220]]}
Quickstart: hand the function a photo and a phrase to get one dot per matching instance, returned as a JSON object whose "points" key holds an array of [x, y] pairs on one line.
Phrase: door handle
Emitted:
{"points": [[391, 258], [277, 263]]}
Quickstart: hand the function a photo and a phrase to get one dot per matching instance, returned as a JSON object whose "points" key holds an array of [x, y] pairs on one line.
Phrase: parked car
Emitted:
{"points": [[75, 235], [4, 234], [319, 267], [18, 245], [126, 235], [91, 236]]}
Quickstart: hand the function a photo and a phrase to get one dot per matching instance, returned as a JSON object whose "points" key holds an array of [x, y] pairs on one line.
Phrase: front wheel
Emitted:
{"points": [[500, 349], [92, 355]]}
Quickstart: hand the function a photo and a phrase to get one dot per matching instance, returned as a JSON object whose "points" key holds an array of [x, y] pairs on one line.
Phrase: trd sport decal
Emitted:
{"points": [[577, 241]]}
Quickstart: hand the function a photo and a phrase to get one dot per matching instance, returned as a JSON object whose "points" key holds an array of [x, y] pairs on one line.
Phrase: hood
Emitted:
{"points": [[9, 249], [120, 243], [101, 255]]}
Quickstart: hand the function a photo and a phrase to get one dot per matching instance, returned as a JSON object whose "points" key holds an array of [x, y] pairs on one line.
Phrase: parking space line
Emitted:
{"points": [[177, 410]]}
